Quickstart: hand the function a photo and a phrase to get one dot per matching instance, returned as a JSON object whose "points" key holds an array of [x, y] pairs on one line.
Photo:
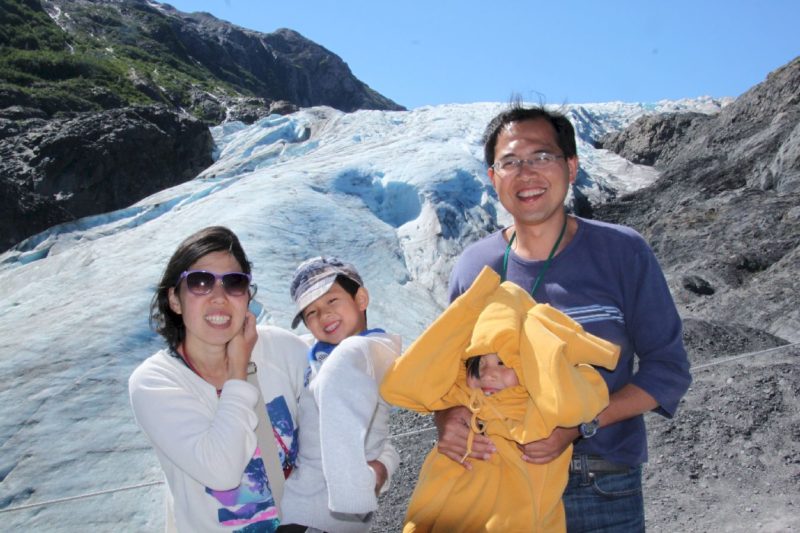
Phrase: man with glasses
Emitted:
{"points": [[605, 277]]}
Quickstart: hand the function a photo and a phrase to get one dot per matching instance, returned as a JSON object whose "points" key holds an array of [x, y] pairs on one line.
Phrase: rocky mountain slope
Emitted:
{"points": [[81, 55], [104, 102], [724, 218]]}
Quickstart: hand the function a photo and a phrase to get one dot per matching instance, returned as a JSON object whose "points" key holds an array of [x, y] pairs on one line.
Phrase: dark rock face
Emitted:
{"points": [[322, 77], [653, 140], [59, 170], [724, 218]]}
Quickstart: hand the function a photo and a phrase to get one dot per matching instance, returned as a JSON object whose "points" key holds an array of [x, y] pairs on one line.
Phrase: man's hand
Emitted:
{"points": [[453, 427], [545, 450], [240, 348], [380, 474]]}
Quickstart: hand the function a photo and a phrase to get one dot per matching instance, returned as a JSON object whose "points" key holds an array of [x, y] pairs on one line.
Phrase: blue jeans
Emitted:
{"points": [[605, 502]]}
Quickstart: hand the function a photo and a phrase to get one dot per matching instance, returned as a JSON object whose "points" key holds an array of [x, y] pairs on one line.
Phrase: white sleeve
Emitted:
{"points": [[390, 458], [211, 445], [347, 395], [381, 357], [284, 356]]}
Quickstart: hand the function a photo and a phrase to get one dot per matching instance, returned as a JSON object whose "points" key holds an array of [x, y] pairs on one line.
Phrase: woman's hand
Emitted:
{"points": [[240, 348], [453, 427]]}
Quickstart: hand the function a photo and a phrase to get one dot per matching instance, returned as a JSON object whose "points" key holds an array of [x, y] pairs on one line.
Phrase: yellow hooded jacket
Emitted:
{"points": [[550, 354]]}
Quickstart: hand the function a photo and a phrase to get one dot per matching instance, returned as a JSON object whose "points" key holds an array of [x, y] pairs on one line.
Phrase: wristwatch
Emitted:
{"points": [[589, 429]]}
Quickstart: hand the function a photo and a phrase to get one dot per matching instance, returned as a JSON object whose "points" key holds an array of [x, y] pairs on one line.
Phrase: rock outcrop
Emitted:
{"points": [[724, 217], [653, 140], [58, 170]]}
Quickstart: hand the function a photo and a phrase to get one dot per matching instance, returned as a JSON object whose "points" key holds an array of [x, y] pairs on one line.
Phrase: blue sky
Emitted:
{"points": [[421, 52]]}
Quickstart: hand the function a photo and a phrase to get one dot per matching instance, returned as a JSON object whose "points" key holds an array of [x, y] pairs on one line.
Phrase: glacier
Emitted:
{"points": [[398, 193]]}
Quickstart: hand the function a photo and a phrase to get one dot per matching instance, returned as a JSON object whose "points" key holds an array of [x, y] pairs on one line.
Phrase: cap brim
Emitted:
{"points": [[319, 288], [297, 319]]}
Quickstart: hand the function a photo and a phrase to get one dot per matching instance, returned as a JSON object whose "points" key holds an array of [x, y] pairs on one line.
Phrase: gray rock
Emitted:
{"points": [[653, 139], [725, 209], [63, 169]]}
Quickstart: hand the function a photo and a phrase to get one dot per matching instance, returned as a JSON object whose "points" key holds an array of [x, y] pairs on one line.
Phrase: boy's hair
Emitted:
{"points": [[163, 319], [350, 286], [314, 277]]}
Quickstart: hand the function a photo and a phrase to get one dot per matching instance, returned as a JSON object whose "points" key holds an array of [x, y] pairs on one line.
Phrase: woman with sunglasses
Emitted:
{"points": [[192, 399]]}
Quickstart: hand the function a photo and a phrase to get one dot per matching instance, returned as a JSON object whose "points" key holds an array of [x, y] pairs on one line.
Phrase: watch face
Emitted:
{"points": [[588, 429]]}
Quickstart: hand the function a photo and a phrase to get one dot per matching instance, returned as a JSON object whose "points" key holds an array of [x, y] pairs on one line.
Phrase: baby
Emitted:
{"points": [[490, 374]]}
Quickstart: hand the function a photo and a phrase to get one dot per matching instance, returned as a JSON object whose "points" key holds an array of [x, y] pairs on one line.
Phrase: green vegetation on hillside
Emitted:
{"points": [[109, 64]]}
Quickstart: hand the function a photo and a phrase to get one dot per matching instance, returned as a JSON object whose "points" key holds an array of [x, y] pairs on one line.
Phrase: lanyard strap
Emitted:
{"points": [[546, 263]]}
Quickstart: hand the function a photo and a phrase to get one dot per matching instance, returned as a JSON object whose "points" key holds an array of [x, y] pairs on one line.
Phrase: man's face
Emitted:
{"points": [[534, 195]]}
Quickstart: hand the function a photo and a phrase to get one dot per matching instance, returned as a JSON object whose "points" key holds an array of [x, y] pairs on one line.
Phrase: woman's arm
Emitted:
{"points": [[208, 440]]}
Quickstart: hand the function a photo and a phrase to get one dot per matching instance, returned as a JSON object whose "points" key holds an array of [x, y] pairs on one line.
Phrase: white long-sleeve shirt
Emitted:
{"points": [[344, 424], [206, 445]]}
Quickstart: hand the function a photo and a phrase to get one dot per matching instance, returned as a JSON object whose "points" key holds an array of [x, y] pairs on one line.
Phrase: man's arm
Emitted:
{"points": [[453, 427], [626, 403]]}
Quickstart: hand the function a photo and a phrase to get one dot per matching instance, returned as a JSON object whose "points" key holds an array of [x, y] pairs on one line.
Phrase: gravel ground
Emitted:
{"points": [[728, 462]]}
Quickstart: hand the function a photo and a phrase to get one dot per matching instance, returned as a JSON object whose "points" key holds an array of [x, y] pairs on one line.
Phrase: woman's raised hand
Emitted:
{"points": [[240, 348]]}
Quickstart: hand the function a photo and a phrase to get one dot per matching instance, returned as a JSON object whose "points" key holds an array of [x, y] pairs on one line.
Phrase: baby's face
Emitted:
{"points": [[494, 375]]}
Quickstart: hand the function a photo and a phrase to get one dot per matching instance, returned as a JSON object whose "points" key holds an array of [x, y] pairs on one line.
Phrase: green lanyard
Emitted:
{"points": [[546, 263]]}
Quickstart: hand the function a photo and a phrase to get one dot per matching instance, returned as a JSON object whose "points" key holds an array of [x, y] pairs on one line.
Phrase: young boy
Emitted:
{"points": [[344, 456], [522, 369]]}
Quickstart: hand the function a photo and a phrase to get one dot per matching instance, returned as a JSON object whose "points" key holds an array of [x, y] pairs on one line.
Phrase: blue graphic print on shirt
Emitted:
{"points": [[251, 503], [285, 432]]}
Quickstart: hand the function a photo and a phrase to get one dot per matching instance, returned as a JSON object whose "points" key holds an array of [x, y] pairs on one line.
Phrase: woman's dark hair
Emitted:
{"points": [[474, 366], [163, 319], [565, 132]]}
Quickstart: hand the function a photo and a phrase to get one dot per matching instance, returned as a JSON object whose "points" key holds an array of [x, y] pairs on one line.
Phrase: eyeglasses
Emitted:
{"points": [[512, 167], [202, 282]]}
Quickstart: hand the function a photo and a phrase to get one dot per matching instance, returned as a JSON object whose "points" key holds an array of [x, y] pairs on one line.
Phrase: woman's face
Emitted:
{"points": [[212, 319]]}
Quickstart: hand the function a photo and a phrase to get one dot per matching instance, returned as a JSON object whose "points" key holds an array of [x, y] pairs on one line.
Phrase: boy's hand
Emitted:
{"points": [[453, 427], [545, 450], [240, 348], [380, 474]]}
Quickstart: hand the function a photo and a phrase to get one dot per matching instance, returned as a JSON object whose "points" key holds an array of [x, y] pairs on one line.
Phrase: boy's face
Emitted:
{"points": [[336, 315], [494, 375]]}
